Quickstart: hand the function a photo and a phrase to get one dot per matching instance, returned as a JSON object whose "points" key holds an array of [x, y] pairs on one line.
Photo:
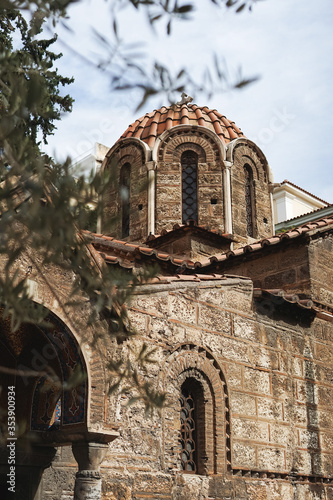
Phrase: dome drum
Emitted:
{"points": [[178, 171]]}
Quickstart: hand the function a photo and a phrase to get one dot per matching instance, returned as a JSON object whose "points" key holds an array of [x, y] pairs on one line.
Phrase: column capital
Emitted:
{"points": [[151, 165], [88, 482], [89, 456]]}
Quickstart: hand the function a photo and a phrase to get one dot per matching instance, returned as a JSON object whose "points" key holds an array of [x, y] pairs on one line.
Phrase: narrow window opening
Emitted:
{"points": [[189, 162], [125, 190], [249, 200], [213, 201], [191, 427]]}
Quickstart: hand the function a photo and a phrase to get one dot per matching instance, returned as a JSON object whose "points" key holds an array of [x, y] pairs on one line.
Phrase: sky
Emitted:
{"points": [[288, 112]]}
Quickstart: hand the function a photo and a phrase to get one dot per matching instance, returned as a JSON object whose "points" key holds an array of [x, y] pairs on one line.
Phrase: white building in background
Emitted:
{"points": [[291, 201], [91, 160]]}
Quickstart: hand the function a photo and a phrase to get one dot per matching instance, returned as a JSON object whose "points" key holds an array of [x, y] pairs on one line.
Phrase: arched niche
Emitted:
{"points": [[192, 365], [45, 365], [207, 195], [133, 155], [250, 180]]}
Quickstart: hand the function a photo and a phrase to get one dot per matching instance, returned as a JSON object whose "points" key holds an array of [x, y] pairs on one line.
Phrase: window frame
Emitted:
{"points": [[189, 158]]}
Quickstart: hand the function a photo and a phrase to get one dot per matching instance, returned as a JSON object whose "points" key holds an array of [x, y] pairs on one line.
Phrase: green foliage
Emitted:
{"points": [[129, 69], [43, 207], [30, 96]]}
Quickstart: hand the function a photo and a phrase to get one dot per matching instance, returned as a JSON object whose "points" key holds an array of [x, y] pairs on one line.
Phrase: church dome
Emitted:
{"points": [[152, 125], [184, 163]]}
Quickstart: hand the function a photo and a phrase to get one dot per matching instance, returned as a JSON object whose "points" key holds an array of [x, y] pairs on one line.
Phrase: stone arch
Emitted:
{"points": [[251, 163], [46, 357], [60, 346], [56, 343], [251, 153], [189, 146], [247, 158], [91, 359], [168, 152], [201, 136], [193, 361], [127, 146], [133, 152]]}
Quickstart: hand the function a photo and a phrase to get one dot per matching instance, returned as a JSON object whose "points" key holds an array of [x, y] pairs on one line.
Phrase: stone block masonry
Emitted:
{"points": [[272, 420]]}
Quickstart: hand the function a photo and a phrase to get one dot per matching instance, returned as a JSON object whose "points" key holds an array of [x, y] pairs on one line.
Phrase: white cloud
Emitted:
{"points": [[289, 42]]}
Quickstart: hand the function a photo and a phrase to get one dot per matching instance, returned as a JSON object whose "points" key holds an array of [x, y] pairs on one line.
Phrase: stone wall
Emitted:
{"points": [[267, 406], [261, 203], [267, 380], [169, 179], [127, 153], [321, 269], [285, 265]]}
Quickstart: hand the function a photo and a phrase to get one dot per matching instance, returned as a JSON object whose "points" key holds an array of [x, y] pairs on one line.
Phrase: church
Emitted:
{"points": [[239, 320]]}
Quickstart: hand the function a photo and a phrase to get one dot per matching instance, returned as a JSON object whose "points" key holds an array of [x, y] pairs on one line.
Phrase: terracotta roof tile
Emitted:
{"points": [[321, 310], [110, 258], [199, 116], [200, 227], [273, 240], [184, 116], [108, 246], [146, 251], [151, 125]]}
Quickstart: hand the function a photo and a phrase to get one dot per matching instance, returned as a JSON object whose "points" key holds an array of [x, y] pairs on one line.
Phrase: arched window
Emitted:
{"points": [[192, 427], [189, 162], [125, 190], [249, 200]]}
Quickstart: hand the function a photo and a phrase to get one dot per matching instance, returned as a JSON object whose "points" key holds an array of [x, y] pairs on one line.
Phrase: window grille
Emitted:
{"points": [[125, 188], [187, 431], [249, 200], [189, 162]]}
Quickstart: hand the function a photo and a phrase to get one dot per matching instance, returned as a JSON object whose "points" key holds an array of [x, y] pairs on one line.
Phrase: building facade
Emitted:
{"points": [[239, 320]]}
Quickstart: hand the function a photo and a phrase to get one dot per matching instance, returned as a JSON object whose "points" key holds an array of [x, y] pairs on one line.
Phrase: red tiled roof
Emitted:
{"points": [[151, 125], [190, 225], [273, 240], [127, 254], [321, 310], [190, 277]]}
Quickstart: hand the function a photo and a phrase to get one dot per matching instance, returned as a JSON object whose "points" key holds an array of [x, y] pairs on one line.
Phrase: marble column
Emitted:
{"points": [[227, 198], [88, 482], [151, 167]]}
